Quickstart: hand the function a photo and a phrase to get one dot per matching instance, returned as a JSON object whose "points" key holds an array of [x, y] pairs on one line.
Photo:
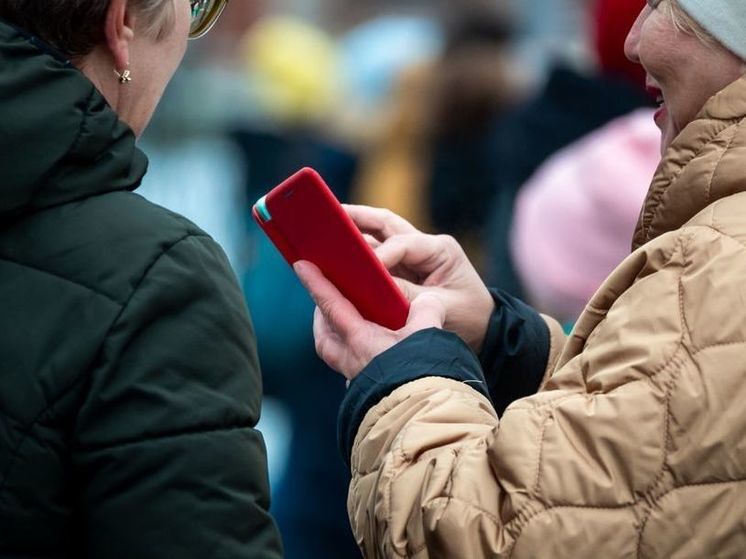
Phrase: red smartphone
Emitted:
{"points": [[305, 221]]}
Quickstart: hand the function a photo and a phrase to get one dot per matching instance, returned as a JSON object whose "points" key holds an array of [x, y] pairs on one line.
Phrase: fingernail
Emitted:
{"points": [[300, 269]]}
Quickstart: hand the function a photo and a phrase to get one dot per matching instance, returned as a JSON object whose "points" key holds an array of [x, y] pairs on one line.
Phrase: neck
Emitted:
{"points": [[98, 67]]}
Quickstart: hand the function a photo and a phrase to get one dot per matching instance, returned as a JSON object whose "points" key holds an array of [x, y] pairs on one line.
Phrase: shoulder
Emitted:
{"points": [[672, 298], [105, 243], [130, 221], [711, 280], [724, 218], [696, 287]]}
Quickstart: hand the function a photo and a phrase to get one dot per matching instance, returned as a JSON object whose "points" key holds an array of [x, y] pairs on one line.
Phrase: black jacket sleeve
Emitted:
{"points": [[168, 458], [515, 352], [428, 353]]}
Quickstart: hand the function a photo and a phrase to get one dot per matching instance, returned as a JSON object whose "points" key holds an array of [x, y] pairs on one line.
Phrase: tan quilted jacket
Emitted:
{"points": [[636, 444]]}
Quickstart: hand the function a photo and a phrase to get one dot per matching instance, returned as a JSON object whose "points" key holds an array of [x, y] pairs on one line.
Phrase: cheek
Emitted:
{"points": [[708, 71], [659, 58], [174, 45], [691, 96], [659, 46]]}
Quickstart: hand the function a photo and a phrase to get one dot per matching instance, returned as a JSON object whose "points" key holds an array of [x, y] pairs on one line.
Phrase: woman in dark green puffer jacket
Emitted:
{"points": [[129, 383]]}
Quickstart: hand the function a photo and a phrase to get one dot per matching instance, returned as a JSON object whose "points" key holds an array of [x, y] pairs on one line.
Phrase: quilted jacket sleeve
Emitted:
{"points": [[557, 339], [170, 463], [598, 464]]}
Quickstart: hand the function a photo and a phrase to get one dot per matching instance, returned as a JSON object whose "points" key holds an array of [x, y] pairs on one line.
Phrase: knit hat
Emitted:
{"points": [[723, 19], [575, 217]]}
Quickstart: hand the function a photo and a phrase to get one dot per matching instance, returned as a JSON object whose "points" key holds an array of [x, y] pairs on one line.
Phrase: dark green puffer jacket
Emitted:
{"points": [[129, 382]]}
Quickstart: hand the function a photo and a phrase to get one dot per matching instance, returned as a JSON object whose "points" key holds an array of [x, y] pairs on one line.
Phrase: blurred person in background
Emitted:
{"points": [[130, 386], [393, 92], [574, 101], [342, 16], [384, 102], [546, 29], [574, 218], [472, 86], [631, 442], [432, 161], [293, 73]]}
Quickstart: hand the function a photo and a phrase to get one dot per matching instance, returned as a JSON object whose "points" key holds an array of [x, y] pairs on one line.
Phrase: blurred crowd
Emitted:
{"points": [[513, 126]]}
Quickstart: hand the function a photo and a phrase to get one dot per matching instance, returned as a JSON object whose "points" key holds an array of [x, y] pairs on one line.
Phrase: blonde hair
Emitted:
{"points": [[686, 24], [159, 15]]}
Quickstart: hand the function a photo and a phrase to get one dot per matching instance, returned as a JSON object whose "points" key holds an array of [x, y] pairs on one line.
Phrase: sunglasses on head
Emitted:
{"points": [[204, 15]]}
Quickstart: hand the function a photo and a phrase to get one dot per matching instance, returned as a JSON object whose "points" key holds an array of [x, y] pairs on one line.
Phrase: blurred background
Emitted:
{"points": [[516, 126]]}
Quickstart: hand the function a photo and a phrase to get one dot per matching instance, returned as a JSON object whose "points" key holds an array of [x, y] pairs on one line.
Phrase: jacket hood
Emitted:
{"points": [[703, 164], [60, 139]]}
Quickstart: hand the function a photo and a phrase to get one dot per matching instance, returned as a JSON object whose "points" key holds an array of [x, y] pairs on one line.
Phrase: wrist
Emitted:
{"points": [[426, 353], [515, 351]]}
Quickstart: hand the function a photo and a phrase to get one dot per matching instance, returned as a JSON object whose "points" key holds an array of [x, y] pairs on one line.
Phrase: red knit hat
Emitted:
{"points": [[612, 20]]}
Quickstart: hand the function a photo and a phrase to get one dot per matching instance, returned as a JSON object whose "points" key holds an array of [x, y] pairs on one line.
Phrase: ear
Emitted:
{"points": [[119, 31]]}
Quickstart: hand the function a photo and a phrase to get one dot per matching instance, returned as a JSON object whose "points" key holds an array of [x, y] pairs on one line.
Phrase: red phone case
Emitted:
{"points": [[308, 223]]}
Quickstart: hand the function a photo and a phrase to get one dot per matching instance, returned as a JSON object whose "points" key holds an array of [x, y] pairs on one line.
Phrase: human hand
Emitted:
{"points": [[344, 339], [429, 263]]}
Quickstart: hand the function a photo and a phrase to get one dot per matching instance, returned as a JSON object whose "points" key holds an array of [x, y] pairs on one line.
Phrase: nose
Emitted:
{"points": [[632, 42]]}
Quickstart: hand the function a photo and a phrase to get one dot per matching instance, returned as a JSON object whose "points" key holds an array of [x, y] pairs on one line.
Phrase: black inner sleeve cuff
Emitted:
{"points": [[516, 351], [429, 353]]}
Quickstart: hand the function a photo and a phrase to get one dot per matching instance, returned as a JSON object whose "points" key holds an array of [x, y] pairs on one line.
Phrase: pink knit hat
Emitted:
{"points": [[575, 217]]}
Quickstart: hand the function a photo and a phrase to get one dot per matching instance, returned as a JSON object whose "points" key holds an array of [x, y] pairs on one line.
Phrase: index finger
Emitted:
{"points": [[378, 222], [420, 254]]}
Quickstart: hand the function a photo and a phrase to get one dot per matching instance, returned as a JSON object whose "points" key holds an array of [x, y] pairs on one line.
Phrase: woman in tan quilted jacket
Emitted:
{"points": [[627, 439]]}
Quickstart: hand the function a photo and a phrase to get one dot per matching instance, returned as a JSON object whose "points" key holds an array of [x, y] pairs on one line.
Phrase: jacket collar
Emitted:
{"points": [[61, 140], [705, 163]]}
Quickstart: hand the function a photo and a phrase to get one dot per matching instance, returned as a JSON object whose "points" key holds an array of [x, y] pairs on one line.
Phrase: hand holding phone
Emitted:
{"points": [[305, 221]]}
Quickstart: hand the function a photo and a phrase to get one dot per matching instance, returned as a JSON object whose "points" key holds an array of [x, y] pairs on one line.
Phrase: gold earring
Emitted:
{"points": [[125, 76]]}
